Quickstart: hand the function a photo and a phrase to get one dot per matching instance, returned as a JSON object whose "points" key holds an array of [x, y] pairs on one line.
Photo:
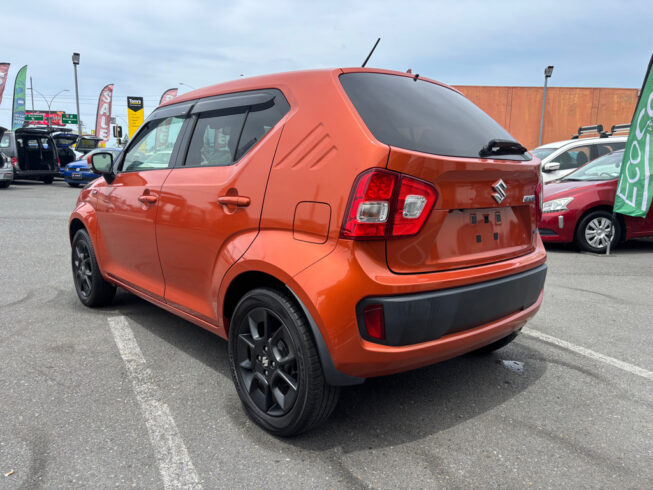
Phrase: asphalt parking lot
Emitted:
{"points": [[568, 404]]}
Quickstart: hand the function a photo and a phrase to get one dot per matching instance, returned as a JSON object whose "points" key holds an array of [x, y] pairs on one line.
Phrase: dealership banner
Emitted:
{"points": [[103, 117], [635, 187], [134, 114], [171, 93], [4, 69], [18, 111]]}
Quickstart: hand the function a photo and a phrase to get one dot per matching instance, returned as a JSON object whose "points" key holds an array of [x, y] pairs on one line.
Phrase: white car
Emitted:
{"points": [[563, 157]]}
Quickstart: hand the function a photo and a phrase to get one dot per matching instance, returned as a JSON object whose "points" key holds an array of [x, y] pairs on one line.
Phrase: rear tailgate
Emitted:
{"points": [[467, 226]]}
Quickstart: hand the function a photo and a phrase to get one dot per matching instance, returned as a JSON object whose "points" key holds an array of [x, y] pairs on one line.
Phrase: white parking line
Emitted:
{"points": [[631, 368], [175, 465]]}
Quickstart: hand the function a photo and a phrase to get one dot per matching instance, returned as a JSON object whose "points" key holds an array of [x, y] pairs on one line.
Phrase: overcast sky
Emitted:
{"points": [[145, 47]]}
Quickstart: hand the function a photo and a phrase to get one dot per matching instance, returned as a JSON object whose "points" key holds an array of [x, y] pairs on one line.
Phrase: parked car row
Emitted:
{"points": [[40, 154]]}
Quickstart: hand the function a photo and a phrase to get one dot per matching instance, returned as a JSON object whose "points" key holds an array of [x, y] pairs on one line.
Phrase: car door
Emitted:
{"points": [[126, 208], [210, 204]]}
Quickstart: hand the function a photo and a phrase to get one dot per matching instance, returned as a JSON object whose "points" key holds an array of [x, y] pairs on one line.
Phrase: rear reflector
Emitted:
{"points": [[385, 204], [374, 321]]}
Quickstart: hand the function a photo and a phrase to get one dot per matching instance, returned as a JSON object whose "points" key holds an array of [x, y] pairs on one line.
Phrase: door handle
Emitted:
{"points": [[238, 201], [147, 199]]}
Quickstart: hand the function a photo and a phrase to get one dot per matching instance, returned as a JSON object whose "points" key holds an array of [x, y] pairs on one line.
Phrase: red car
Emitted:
{"points": [[578, 208]]}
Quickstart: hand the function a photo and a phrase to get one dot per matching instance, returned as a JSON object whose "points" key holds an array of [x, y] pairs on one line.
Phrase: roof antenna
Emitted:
{"points": [[369, 55]]}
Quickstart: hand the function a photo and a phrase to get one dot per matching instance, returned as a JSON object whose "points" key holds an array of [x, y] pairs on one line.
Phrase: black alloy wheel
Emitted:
{"points": [[275, 365], [267, 362], [91, 287]]}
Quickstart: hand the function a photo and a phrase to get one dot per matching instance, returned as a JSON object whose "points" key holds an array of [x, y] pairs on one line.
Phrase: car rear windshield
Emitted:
{"points": [[418, 115]]}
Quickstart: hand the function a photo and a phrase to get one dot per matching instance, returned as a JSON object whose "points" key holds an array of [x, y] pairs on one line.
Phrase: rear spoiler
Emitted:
{"points": [[596, 129]]}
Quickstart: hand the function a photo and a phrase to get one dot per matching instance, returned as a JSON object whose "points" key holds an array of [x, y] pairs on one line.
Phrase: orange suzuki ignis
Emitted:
{"points": [[333, 225]]}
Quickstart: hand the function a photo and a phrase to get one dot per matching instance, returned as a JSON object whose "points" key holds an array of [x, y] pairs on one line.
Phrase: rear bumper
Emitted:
{"points": [[423, 317], [431, 329]]}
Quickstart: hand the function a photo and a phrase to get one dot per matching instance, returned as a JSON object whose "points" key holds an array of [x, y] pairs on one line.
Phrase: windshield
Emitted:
{"points": [[603, 168], [542, 153], [410, 113]]}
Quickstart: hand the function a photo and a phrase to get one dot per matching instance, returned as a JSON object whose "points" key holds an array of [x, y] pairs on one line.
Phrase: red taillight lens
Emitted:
{"points": [[59, 161], [14, 161], [539, 203], [374, 321], [385, 204]]}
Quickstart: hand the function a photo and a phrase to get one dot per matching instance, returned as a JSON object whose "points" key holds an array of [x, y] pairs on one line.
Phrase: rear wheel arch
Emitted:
{"points": [[247, 281]]}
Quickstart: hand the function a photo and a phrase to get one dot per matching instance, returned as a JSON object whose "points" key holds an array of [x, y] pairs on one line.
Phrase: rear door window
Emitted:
{"points": [[215, 138], [422, 116], [260, 119]]}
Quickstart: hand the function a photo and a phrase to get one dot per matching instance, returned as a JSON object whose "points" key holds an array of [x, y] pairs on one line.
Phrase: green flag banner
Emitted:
{"points": [[635, 187], [18, 112]]}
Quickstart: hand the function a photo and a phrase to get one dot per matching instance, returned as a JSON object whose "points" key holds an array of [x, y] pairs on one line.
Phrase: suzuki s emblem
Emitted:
{"points": [[500, 187]]}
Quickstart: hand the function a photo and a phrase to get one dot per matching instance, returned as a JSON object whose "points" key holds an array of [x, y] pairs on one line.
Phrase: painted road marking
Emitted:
{"points": [[175, 465], [631, 368]]}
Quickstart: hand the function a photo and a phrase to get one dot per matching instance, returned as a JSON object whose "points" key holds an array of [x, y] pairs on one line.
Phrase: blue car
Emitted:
{"points": [[80, 172]]}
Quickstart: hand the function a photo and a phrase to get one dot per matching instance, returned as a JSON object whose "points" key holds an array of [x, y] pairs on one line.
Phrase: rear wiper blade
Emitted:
{"points": [[502, 147]]}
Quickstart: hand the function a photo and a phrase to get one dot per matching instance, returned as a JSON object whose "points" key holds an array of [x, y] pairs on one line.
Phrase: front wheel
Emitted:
{"points": [[72, 184], [275, 365], [91, 287], [596, 230], [48, 180]]}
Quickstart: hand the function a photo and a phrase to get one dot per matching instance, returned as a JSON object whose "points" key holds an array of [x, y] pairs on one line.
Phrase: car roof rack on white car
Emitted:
{"points": [[596, 129], [619, 128]]}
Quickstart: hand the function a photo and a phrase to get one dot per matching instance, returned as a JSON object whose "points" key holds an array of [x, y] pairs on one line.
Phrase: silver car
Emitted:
{"points": [[6, 168]]}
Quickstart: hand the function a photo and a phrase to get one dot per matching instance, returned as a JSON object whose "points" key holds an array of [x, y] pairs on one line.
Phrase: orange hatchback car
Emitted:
{"points": [[333, 225]]}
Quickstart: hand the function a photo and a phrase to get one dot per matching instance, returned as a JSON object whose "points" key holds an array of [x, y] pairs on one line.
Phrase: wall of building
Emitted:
{"points": [[518, 109]]}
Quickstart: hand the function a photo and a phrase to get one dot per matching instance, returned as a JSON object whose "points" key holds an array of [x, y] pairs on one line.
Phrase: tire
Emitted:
{"points": [[4, 184], [275, 365], [91, 287], [595, 230], [72, 184], [497, 344], [48, 180]]}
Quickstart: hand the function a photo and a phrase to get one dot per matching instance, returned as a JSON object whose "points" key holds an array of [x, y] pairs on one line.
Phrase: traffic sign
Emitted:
{"points": [[69, 118], [34, 117]]}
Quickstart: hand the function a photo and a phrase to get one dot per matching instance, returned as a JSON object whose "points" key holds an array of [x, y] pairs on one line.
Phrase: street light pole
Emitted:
{"points": [[548, 71], [79, 116], [49, 104], [189, 86]]}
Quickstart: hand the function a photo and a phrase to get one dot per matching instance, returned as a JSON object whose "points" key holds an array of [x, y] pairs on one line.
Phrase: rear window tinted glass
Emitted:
{"points": [[422, 116]]}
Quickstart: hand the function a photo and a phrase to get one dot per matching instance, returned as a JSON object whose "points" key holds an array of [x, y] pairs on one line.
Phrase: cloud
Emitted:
{"points": [[147, 47]]}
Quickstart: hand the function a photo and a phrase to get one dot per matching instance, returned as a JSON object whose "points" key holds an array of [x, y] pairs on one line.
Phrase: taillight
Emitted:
{"points": [[385, 204], [14, 161], [539, 203], [59, 161]]}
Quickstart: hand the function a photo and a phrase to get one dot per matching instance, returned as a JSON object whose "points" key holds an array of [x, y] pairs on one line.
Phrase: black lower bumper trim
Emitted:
{"points": [[421, 317]]}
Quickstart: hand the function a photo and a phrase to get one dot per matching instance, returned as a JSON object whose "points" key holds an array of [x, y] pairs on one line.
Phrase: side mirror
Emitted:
{"points": [[102, 163], [550, 167]]}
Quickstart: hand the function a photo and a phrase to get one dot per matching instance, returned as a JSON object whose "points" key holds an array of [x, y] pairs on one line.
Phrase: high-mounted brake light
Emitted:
{"points": [[385, 204]]}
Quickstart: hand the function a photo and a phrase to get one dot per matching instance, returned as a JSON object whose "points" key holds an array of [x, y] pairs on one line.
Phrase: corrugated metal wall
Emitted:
{"points": [[518, 109]]}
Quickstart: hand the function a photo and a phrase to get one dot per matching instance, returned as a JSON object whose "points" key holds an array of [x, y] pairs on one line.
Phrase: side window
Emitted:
{"points": [[44, 143], [4, 143], [606, 148], [574, 158], [153, 146], [215, 138], [260, 120]]}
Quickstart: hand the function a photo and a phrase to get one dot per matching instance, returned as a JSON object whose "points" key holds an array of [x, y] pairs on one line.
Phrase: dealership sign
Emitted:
{"points": [[134, 114], [635, 187], [44, 118], [103, 119]]}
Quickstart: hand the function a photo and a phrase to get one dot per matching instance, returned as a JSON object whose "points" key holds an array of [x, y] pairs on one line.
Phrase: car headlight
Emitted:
{"points": [[556, 205]]}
